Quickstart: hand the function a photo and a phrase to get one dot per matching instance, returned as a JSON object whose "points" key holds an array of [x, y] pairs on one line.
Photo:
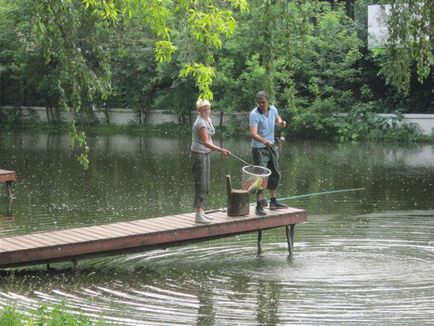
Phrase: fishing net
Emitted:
{"points": [[254, 178]]}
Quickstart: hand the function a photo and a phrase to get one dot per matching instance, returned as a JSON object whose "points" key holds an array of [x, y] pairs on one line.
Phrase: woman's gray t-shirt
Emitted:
{"points": [[196, 144]]}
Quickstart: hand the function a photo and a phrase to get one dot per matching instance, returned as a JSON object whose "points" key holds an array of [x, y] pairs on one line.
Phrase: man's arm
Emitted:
{"points": [[280, 122], [254, 134]]}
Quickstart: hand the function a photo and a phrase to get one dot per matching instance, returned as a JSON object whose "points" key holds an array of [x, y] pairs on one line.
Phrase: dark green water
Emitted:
{"points": [[363, 257]]}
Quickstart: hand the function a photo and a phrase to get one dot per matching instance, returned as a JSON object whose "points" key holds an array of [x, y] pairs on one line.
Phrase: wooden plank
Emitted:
{"points": [[75, 235], [142, 234], [92, 233], [151, 226], [112, 231], [158, 224], [177, 223], [25, 242], [103, 232], [131, 228], [7, 245], [122, 230], [44, 240]]}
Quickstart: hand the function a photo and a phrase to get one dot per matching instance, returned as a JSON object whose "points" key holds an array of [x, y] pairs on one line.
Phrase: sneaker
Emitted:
{"points": [[277, 205], [264, 203], [200, 218], [208, 217], [260, 211]]}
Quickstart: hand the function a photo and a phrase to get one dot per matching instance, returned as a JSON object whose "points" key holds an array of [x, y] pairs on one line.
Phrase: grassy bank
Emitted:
{"points": [[44, 315]]}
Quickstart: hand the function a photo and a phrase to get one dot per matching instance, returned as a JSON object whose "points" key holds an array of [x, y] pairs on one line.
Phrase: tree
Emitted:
{"points": [[411, 30], [86, 74]]}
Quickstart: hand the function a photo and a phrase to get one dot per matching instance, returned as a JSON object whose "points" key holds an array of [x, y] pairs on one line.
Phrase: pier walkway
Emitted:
{"points": [[139, 235]]}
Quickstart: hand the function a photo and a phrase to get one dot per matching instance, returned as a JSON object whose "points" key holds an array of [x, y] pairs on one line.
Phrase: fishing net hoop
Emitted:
{"points": [[260, 171], [255, 178]]}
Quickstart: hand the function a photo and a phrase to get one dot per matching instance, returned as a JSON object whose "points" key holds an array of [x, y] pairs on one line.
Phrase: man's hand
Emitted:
{"points": [[268, 144]]}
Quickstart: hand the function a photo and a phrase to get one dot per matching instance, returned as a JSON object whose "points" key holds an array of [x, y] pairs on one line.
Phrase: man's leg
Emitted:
{"points": [[274, 179], [261, 160]]}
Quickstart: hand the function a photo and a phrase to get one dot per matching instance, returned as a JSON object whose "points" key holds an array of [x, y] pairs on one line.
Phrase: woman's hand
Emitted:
{"points": [[224, 152]]}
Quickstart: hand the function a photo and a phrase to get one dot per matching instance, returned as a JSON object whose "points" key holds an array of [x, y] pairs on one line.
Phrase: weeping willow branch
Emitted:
{"points": [[65, 27]]}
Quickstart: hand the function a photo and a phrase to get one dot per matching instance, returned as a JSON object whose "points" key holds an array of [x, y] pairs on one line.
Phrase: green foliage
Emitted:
{"points": [[410, 42], [69, 37], [235, 85], [9, 317], [53, 316], [203, 75], [145, 55], [134, 70], [164, 51], [362, 123], [78, 139], [314, 121], [208, 27]]}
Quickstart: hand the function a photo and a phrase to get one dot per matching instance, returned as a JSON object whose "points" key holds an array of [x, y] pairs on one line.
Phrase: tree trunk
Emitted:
{"points": [[146, 115], [268, 25], [47, 112], [349, 7], [139, 115], [107, 116]]}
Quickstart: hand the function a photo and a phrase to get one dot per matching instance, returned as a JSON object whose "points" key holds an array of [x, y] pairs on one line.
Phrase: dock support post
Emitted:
{"points": [[259, 242], [290, 237], [9, 190], [74, 263], [10, 205]]}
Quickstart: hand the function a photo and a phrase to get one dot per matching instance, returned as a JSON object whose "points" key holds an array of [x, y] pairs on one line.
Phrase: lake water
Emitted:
{"points": [[364, 257]]}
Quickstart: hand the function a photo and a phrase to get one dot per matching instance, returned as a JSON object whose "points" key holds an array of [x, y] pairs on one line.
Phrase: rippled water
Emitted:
{"points": [[363, 257]]}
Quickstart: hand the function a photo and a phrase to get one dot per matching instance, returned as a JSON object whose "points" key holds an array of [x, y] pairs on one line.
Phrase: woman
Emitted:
{"points": [[201, 146]]}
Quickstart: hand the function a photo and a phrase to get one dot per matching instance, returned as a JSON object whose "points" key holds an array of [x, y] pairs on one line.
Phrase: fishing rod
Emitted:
{"points": [[296, 197]]}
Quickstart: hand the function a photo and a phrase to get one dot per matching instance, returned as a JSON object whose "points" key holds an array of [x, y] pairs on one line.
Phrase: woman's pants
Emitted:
{"points": [[200, 165]]}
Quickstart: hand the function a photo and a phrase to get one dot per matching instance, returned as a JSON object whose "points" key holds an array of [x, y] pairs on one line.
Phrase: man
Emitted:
{"points": [[263, 120]]}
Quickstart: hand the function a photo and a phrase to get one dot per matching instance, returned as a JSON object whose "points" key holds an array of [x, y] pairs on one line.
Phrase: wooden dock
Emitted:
{"points": [[7, 177], [139, 235]]}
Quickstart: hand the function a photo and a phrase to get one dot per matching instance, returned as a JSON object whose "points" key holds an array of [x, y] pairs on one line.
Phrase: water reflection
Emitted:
{"points": [[363, 257]]}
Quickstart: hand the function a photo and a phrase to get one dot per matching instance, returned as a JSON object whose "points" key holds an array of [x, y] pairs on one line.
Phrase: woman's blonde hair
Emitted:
{"points": [[201, 103]]}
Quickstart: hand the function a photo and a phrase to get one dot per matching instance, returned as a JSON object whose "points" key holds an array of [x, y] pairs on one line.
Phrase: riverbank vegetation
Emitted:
{"points": [[311, 56], [55, 316]]}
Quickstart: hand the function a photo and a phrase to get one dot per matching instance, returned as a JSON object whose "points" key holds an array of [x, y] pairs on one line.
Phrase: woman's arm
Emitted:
{"points": [[207, 142]]}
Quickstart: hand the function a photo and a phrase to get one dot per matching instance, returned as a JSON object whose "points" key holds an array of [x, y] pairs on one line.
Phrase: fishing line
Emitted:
{"points": [[296, 197], [320, 193]]}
